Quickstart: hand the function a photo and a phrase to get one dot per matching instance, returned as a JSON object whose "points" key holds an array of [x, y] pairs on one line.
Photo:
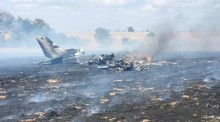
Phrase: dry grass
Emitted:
{"points": [[178, 41], [114, 35]]}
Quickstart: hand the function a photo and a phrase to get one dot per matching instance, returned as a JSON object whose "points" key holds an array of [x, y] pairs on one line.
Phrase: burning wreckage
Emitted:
{"points": [[57, 55], [124, 63], [108, 61]]}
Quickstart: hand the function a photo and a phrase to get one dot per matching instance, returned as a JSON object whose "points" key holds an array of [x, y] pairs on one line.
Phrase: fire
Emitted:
{"points": [[149, 59], [7, 36]]}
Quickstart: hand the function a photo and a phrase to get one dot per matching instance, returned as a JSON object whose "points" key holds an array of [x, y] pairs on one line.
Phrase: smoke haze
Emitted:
{"points": [[178, 27]]}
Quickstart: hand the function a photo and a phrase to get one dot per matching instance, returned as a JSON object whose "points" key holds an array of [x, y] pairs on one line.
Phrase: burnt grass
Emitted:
{"points": [[202, 104], [196, 103]]}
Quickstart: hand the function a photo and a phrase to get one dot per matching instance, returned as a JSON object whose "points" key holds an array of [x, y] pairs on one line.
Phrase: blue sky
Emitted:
{"points": [[82, 15]]}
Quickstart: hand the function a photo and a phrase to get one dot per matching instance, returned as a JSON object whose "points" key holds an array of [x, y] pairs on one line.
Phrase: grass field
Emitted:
{"points": [[114, 35], [178, 41], [143, 35]]}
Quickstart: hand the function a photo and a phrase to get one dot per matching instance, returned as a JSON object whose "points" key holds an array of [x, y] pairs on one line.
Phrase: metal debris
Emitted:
{"points": [[124, 63], [57, 55]]}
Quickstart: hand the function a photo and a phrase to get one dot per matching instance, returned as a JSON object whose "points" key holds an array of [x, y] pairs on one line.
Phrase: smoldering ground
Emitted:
{"points": [[86, 91], [77, 92]]}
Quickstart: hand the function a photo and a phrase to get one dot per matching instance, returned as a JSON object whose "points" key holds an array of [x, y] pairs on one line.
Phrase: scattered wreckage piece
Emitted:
{"points": [[57, 55], [123, 65], [103, 67], [106, 61], [141, 65]]}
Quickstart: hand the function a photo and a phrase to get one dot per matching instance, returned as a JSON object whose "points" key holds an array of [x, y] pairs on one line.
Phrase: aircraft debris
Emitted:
{"points": [[57, 55], [125, 63], [103, 67], [103, 60]]}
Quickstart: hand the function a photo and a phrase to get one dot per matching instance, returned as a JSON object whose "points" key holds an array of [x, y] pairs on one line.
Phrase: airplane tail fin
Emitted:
{"points": [[49, 49]]}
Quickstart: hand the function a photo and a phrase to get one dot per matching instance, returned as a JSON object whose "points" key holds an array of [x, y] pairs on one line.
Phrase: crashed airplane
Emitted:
{"points": [[57, 55]]}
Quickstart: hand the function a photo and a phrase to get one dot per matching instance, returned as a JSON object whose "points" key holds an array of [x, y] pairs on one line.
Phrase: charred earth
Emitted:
{"points": [[179, 89]]}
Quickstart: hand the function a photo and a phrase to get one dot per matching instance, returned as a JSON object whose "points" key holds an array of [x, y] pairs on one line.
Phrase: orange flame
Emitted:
{"points": [[149, 59]]}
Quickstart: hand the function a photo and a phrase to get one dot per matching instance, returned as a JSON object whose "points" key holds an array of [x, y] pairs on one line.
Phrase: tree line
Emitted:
{"points": [[103, 35]]}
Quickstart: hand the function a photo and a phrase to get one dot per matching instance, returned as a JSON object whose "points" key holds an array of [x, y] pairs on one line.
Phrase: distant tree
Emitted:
{"points": [[18, 31], [131, 29], [151, 34], [6, 21], [102, 35]]}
